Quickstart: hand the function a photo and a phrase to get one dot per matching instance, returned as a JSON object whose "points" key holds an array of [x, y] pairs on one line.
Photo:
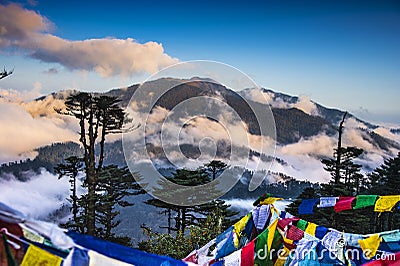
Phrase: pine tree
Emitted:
{"points": [[98, 117], [186, 178], [346, 176], [183, 216], [387, 177], [347, 180], [71, 169], [180, 245], [114, 185], [214, 167]]}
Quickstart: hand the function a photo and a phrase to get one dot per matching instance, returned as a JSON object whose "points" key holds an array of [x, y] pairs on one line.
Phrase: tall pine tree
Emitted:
{"points": [[347, 180], [98, 117]]}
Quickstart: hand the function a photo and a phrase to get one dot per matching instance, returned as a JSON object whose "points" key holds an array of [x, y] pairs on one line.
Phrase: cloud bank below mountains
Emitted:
{"points": [[46, 194], [27, 125], [303, 103], [30, 32]]}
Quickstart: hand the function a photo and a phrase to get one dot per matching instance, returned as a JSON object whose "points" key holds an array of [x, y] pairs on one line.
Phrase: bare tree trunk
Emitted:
{"points": [[339, 151], [91, 178]]}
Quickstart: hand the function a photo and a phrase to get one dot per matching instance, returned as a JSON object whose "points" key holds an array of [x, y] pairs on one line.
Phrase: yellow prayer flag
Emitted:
{"points": [[370, 245], [269, 200], [271, 233], [36, 256], [386, 203], [311, 228], [238, 228]]}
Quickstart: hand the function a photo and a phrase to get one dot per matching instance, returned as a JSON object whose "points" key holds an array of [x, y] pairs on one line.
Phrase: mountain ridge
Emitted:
{"points": [[299, 122]]}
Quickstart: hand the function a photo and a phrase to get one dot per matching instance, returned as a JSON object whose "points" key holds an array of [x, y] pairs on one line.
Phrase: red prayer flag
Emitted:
{"points": [[294, 233], [282, 223], [344, 203], [247, 257]]}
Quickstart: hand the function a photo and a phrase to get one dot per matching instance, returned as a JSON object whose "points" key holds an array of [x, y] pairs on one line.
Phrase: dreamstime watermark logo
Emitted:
{"points": [[311, 253], [191, 114]]}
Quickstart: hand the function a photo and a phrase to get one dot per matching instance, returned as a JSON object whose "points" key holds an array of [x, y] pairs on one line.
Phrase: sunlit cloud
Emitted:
{"points": [[30, 32]]}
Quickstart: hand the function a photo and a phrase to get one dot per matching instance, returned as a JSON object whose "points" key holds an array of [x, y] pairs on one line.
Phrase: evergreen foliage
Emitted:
{"points": [[98, 116], [180, 245], [347, 180], [181, 216]]}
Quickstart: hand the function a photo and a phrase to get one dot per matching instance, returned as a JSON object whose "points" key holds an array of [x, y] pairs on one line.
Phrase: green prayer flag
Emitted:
{"points": [[277, 244], [363, 201], [261, 249], [301, 224]]}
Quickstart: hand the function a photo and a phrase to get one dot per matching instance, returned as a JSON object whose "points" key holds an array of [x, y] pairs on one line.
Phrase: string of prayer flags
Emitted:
{"points": [[264, 196], [283, 255], [30, 242], [331, 239], [294, 233], [321, 245], [233, 259], [122, 253], [226, 246], [320, 231], [343, 203], [260, 248], [238, 228], [286, 221], [307, 206], [10, 258]]}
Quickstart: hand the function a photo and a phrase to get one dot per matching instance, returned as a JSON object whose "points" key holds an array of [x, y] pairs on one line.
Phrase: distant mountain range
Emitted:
{"points": [[305, 132], [299, 121]]}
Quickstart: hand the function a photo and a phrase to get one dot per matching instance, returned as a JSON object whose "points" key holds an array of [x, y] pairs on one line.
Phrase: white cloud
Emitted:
{"points": [[38, 197], [305, 104], [18, 25], [29, 31], [264, 97], [19, 96], [385, 132], [359, 139], [301, 167], [320, 145], [22, 131]]}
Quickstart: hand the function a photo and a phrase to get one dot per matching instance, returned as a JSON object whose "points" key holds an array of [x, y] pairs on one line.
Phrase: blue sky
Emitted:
{"points": [[343, 54]]}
